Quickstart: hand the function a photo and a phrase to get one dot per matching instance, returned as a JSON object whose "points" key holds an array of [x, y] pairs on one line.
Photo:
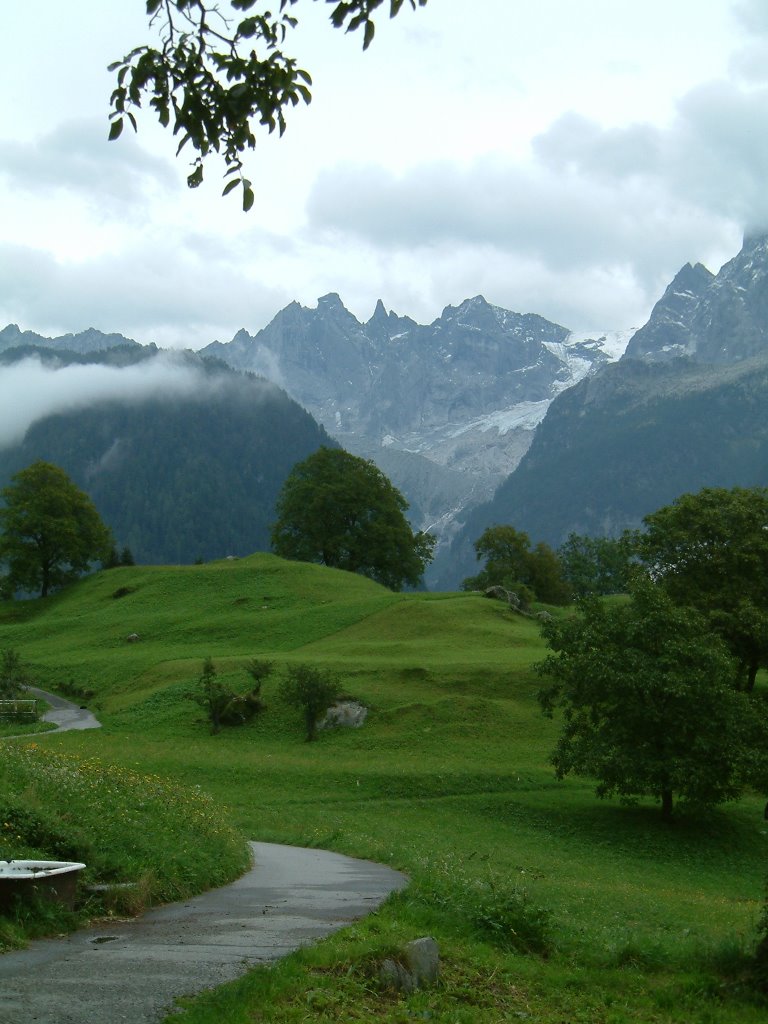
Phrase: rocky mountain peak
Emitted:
{"points": [[669, 331], [379, 315], [714, 319], [755, 239], [90, 340], [331, 305], [447, 409]]}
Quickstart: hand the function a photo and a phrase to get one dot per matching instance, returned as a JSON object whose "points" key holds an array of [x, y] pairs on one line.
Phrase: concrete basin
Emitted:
{"points": [[54, 880]]}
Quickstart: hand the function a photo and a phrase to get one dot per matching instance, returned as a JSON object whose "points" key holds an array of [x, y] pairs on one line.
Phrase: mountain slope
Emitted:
{"points": [[717, 319], [85, 341], [180, 477], [638, 433], [464, 393]]}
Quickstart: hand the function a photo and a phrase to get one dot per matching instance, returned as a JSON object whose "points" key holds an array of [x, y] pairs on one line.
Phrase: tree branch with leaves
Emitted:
{"points": [[216, 77]]}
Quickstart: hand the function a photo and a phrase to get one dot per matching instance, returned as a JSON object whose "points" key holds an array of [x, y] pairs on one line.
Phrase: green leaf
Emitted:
{"points": [[115, 129], [230, 185], [196, 177], [248, 198]]}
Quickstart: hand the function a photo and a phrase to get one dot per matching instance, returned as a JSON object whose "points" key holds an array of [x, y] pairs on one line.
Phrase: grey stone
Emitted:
{"points": [[422, 957], [344, 714], [394, 975], [418, 966]]}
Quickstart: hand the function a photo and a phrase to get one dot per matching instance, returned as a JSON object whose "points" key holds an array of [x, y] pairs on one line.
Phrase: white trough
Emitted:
{"points": [[54, 880]]}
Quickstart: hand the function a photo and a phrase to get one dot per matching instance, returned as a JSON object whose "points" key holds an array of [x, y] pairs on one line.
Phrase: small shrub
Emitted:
{"points": [[506, 916], [223, 706], [258, 670], [312, 691], [69, 688], [760, 964], [211, 695], [241, 709], [498, 911]]}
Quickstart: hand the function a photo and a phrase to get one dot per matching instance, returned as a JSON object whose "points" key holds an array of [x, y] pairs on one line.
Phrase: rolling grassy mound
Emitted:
{"points": [[628, 919]]}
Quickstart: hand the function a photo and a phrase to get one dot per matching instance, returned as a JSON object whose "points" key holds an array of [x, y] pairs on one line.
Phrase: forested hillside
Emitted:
{"points": [[184, 476]]}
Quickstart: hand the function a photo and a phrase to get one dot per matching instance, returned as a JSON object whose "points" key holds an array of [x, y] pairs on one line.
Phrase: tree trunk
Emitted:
{"points": [[666, 804], [754, 665]]}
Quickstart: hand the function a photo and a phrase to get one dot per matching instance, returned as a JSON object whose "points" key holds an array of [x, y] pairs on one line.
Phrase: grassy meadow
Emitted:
{"points": [[548, 904]]}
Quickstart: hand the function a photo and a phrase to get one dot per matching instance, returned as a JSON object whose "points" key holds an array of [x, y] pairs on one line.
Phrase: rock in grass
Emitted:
{"points": [[417, 966], [344, 714]]}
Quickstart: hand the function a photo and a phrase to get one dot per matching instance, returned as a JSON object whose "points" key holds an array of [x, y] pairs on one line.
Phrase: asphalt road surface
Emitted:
{"points": [[134, 970]]}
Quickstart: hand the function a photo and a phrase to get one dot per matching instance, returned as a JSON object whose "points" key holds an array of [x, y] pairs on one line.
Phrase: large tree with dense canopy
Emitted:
{"points": [[342, 511], [50, 531]]}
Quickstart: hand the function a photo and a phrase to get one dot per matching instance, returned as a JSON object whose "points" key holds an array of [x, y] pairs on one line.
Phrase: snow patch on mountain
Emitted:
{"points": [[612, 343], [523, 416]]}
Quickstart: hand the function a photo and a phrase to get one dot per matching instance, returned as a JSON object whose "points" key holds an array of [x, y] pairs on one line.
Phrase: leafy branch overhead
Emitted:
{"points": [[217, 76]]}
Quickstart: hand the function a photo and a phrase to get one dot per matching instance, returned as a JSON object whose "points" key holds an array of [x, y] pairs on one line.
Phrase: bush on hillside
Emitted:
{"points": [[222, 704], [312, 691], [497, 910], [13, 676]]}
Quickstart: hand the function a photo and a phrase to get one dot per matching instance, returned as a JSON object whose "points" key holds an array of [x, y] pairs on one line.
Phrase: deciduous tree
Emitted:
{"points": [[510, 563], [710, 550], [312, 691], [50, 531], [598, 565], [340, 510], [649, 709]]}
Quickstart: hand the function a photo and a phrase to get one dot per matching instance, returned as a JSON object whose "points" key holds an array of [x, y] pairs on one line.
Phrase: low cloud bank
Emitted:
{"points": [[30, 391]]}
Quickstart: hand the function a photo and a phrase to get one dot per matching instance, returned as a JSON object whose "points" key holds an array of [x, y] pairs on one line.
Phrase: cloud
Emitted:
{"points": [[753, 14], [558, 214], [628, 204], [712, 159], [175, 290], [77, 158], [29, 391]]}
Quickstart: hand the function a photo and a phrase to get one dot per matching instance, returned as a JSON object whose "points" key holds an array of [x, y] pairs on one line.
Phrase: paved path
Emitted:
{"points": [[134, 970], [63, 713]]}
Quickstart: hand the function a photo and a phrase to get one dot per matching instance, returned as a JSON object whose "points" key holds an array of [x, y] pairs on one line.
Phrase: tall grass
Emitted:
{"points": [[548, 904]]}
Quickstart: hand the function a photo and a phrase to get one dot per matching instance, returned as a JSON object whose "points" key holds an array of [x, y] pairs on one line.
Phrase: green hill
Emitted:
{"points": [[548, 904]]}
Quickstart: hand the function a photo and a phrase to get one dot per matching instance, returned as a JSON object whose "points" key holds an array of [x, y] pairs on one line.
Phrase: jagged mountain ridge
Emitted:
{"points": [[90, 340], [446, 409], [716, 319], [450, 406], [684, 408]]}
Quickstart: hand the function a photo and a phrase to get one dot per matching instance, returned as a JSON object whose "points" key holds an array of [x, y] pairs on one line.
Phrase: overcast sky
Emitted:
{"points": [[564, 158]]}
